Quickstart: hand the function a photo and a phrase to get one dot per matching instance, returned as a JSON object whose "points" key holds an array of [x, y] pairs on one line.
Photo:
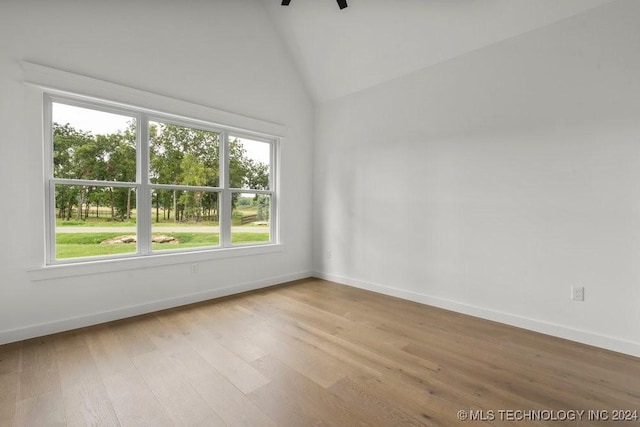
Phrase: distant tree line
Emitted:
{"points": [[177, 156]]}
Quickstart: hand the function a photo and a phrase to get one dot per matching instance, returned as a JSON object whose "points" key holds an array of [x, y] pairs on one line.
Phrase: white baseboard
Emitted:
{"points": [[42, 329], [584, 337]]}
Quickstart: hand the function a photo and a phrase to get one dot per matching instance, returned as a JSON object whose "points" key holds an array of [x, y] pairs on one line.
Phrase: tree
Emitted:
{"points": [[245, 172], [67, 143], [121, 167], [262, 211], [178, 156], [256, 175], [80, 155], [185, 156]]}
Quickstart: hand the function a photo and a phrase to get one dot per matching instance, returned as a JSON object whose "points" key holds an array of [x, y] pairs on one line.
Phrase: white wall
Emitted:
{"points": [[491, 183], [221, 54]]}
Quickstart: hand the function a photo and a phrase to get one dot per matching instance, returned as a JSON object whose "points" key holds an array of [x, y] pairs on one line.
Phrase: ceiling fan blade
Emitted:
{"points": [[341, 3]]}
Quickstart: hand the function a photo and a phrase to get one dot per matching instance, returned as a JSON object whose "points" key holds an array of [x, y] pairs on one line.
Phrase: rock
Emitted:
{"points": [[132, 239], [119, 239], [163, 239]]}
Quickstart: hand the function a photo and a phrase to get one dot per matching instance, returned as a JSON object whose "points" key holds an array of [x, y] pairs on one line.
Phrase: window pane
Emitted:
{"points": [[93, 145], [183, 156], [250, 218], [249, 163], [184, 219], [94, 221]]}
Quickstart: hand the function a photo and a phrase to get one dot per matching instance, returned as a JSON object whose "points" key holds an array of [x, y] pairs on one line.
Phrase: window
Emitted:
{"points": [[126, 182]]}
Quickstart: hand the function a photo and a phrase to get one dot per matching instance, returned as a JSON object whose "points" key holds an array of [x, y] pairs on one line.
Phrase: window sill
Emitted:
{"points": [[149, 261]]}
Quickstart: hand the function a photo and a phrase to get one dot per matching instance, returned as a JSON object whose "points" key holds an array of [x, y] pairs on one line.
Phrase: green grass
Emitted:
{"points": [[245, 238], [102, 222], [188, 240], [79, 245], [81, 251], [94, 222], [85, 238]]}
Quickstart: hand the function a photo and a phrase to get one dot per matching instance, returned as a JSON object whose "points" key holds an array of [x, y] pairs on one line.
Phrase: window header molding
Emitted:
{"points": [[64, 83]]}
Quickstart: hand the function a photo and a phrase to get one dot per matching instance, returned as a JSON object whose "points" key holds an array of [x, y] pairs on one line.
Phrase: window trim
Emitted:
{"points": [[143, 185], [75, 89]]}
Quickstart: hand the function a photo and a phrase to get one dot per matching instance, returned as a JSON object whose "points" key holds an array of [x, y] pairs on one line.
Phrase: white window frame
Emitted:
{"points": [[45, 85]]}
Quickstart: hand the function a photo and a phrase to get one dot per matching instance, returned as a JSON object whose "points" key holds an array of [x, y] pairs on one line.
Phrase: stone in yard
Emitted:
{"points": [[163, 239], [119, 239], [132, 239]]}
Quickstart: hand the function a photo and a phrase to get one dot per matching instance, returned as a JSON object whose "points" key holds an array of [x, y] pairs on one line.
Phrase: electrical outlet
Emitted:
{"points": [[577, 293], [194, 268]]}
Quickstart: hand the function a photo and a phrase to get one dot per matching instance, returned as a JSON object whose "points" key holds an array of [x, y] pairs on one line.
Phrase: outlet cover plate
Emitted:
{"points": [[577, 293]]}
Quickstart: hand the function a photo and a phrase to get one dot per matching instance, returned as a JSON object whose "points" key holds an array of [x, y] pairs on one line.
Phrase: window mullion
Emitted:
{"points": [[225, 209], [143, 202], [275, 192], [50, 191], [51, 226]]}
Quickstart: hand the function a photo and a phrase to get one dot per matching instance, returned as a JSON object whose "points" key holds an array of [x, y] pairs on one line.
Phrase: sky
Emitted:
{"points": [[100, 123], [96, 122]]}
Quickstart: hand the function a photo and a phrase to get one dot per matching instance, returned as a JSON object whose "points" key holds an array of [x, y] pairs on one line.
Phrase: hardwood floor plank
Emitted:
{"points": [[190, 364], [601, 371], [228, 402], [316, 401], [194, 327], [222, 324], [133, 401], [383, 354], [8, 397], [306, 353], [10, 357], [349, 357], [429, 404], [180, 402], [307, 360], [363, 399], [276, 305], [165, 336], [315, 297], [184, 322], [67, 340], [85, 398], [38, 369], [45, 409], [415, 384], [508, 378], [107, 352], [496, 359], [283, 408], [131, 338], [360, 339], [231, 405], [232, 367]]}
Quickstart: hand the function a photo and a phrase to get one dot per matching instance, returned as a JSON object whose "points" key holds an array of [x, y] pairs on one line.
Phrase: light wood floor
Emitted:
{"points": [[305, 354]]}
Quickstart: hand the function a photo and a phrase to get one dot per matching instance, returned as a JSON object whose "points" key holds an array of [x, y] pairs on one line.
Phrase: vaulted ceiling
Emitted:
{"points": [[339, 52]]}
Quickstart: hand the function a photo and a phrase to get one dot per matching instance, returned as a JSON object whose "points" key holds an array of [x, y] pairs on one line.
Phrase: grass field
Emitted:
{"points": [[104, 220], [101, 222], [77, 245]]}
